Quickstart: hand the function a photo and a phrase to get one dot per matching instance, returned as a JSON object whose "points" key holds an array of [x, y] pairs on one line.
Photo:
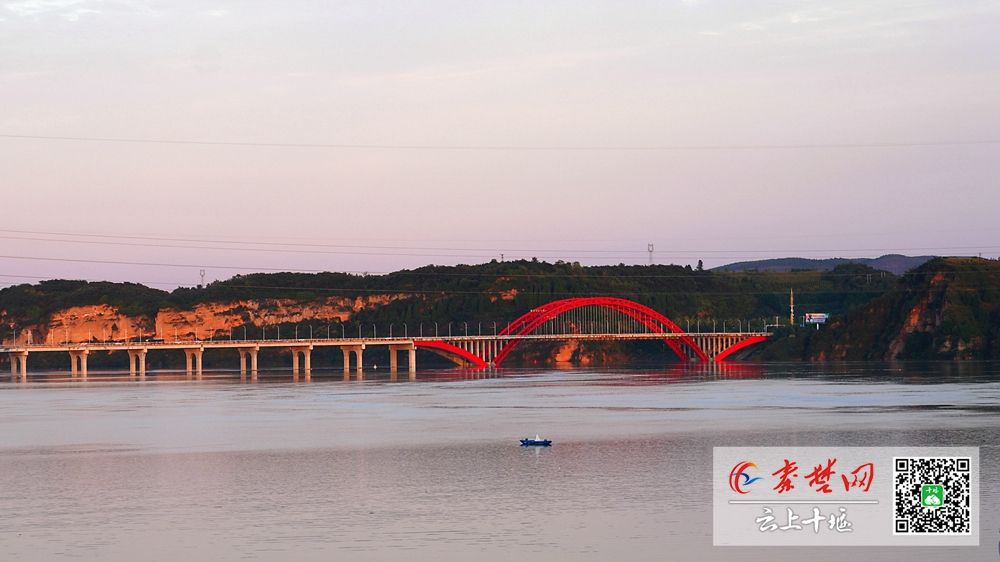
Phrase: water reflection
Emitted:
{"points": [[671, 373], [385, 467], [895, 373], [270, 376]]}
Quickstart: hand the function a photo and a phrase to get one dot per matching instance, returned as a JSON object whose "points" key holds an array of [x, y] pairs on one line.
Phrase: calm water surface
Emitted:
{"points": [[223, 469]]}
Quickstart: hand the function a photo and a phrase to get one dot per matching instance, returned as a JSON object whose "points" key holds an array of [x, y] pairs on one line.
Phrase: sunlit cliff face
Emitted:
{"points": [[104, 322], [84, 323]]}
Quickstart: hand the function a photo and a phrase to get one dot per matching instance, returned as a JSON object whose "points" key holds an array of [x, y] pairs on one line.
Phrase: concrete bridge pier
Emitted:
{"points": [[358, 351], [19, 365], [78, 363], [137, 362], [306, 360], [193, 356], [394, 357], [252, 354]]}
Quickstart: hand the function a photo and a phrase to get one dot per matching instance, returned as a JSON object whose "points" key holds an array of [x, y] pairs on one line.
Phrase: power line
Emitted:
{"points": [[294, 244], [607, 256], [357, 290], [813, 272], [534, 148], [114, 240], [237, 249], [158, 264], [49, 278], [957, 286]]}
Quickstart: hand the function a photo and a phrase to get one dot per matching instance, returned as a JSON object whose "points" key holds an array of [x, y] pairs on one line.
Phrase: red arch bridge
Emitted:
{"points": [[580, 319]]}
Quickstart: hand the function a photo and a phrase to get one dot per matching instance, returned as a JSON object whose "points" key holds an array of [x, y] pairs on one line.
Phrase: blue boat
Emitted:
{"points": [[536, 442]]}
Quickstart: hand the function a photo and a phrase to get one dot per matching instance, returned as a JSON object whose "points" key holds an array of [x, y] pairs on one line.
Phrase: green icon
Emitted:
{"points": [[931, 495]]}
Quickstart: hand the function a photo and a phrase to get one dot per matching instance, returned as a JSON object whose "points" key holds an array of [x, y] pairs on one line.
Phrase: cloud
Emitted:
{"points": [[72, 10], [216, 13], [519, 66], [540, 62], [74, 15], [855, 19], [39, 7]]}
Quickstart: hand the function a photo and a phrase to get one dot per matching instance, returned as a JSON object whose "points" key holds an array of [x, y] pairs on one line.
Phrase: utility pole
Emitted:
{"points": [[649, 248], [791, 307]]}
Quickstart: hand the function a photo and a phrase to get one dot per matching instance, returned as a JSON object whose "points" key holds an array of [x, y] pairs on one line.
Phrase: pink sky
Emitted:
{"points": [[565, 130]]}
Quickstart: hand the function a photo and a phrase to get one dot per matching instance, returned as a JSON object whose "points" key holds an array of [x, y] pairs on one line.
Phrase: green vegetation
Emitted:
{"points": [[34, 304], [947, 308], [491, 291]]}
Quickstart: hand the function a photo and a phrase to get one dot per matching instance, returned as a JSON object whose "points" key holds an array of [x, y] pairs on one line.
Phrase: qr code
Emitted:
{"points": [[932, 496]]}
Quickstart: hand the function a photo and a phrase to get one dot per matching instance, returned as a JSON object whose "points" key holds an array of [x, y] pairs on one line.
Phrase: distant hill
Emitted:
{"points": [[946, 309], [450, 299], [893, 263]]}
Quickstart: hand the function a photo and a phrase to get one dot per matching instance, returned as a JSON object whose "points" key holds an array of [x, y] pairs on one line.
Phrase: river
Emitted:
{"points": [[166, 468]]}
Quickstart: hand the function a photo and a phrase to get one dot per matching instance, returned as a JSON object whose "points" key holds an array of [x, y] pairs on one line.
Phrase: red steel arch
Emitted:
{"points": [[650, 318], [752, 340], [448, 350]]}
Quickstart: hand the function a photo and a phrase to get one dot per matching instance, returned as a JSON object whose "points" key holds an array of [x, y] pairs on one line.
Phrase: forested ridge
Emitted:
{"points": [[869, 308]]}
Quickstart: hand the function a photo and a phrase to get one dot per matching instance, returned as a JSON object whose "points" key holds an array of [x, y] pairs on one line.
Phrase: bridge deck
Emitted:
{"points": [[338, 342]]}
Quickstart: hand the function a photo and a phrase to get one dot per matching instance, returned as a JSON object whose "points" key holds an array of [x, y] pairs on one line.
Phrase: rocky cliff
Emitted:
{"points": [[949, 308], [103, 322]]}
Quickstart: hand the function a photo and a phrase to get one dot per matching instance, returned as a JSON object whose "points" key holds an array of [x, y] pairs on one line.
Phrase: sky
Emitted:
{"points": [[148, 141]]}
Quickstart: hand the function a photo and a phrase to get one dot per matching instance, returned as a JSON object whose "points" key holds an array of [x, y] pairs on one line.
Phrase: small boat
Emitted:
{"points": [[536, 442]]}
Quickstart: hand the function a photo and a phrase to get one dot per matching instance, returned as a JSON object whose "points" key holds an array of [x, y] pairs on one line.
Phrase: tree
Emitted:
{"points": [[701, 266]]}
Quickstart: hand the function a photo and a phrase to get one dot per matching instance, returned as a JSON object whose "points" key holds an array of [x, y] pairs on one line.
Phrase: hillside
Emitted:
{"points": [[949, 308], [893, 263], [482, 294]]}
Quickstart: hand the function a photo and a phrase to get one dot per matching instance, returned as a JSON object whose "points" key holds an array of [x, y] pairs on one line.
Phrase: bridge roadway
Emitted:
{"points": [[474, 350]]}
